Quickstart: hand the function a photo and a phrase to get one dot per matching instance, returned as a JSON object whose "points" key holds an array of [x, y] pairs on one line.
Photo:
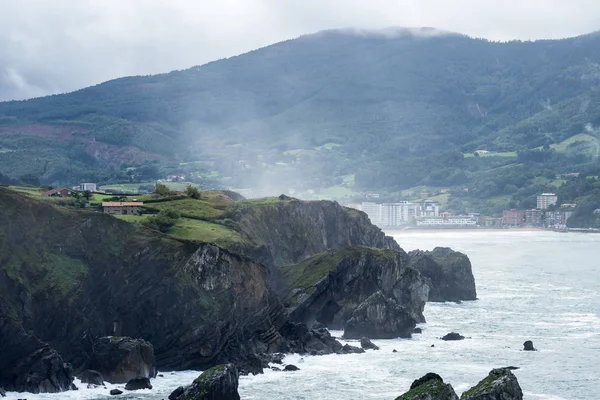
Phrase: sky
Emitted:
{"points": [[58, 46]]}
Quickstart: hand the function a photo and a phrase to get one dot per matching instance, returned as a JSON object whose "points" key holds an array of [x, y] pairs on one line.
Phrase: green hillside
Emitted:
{"points": [[393, 111]]}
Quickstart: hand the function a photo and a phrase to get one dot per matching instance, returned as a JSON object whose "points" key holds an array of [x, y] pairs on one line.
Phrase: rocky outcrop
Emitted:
{"points": [[379, 317], [115, 392], [500, 384], [453, 336], [2, 392], [29, 365], [91, 377], [217, 383], [120, 359], [429, 387], [449, 273], [328, 287], [138, 384], [528, 346], [366, 344]]}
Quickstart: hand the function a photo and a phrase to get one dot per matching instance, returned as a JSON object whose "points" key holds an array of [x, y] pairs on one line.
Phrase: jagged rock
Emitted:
{"points": [[138, 383], [305, 341], [379, 317], [449, 272], [528, 346], [277, 358], [394, 351], [335, 283], [176, 393], [347, 349], [2, 392], [452, 336], [500, 384], [366, 344], [120, 359], [275, 369], [217, 383], [92, 377], [160, 375], [429, 387], [291, 367], [29, 365], [417, 330], [115, 392]]}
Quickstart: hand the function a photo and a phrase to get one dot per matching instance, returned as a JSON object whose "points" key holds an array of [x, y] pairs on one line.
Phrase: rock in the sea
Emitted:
{"points": [[449, 272], [379, 317], [2, 392], [347, 349], [528, 346], [291, 367], [417, 330], [217, 383], [120, 359], [394, 351], [500, 384], [453, 336], [92, 377], [138, 383], [115, 392], [429, 387], [366, 344]]}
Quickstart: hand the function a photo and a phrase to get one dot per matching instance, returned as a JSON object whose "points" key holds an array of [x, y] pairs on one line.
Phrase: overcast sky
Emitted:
{"points": [[62, 45]]}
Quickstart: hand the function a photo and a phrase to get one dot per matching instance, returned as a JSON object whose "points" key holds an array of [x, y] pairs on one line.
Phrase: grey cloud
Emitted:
{"points": [[62, 45]]}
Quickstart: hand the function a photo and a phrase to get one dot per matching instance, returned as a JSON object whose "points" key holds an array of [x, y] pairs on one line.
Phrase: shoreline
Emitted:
{"points": [[437, 230]]}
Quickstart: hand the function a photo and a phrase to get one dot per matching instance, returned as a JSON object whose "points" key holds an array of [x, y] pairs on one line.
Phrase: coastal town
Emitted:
{"points": [[426, 215]]}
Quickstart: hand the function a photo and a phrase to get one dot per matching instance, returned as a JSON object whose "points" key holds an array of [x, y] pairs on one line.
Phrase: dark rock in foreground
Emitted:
{"points": [[500, 384], [2, 392], [453, 336], [121, 359], [92, 377], [115, 392], [429, 387], [347, 349], [366, 344], [138, 383], [291, 367], [29, 365], [379, 317], [417, 330], [449, 272], [217, 383], [528, 346]]}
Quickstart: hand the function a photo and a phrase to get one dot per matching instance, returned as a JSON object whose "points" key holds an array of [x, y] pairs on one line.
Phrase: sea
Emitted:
{"points": [[531, 285]]}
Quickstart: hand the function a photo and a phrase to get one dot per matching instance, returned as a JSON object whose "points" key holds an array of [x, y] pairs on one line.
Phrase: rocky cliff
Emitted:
{"points": [[330, 286], [70, 276], [449, 273]]}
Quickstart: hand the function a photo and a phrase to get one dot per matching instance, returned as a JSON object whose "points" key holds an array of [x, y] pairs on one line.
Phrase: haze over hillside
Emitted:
{"points": [[369, 112]]}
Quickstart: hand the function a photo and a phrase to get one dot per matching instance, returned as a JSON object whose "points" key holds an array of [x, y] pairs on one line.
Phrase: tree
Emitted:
{"points": [[29, 179], [162, 189], [163, 221], [192, 191], [87, 195]]}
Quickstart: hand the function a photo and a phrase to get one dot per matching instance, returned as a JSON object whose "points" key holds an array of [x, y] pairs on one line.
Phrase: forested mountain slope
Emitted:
{"points": [[307, 112]]}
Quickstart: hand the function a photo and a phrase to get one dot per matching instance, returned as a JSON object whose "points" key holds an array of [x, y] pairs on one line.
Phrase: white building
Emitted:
{"points": [[429, 208], [388, 215], [88, 186], [458, 221], [546, 200]]}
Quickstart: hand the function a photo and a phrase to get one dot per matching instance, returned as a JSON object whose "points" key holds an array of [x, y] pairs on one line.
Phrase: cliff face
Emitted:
{"points": [[291, 230], [329, 287], [449, 273], [72, 275]]}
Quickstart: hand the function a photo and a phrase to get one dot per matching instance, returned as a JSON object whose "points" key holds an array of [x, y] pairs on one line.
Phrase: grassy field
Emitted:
{"points": [[582, 137], [204, 231]]}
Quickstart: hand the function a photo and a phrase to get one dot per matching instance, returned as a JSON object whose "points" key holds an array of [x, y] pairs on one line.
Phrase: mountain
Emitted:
{"points": [[384, 111]]}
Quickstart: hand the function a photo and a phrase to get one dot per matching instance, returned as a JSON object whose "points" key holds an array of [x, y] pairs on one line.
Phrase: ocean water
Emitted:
{"points": [[540, 286]]}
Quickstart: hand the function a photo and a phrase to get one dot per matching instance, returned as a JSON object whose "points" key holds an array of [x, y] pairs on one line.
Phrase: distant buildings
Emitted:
{"points": [[482, 152], [533, 217], [389, 215], [546, 200], [513, 217], [446, 220], [122, 207], [88, 186]]}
